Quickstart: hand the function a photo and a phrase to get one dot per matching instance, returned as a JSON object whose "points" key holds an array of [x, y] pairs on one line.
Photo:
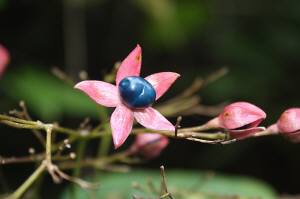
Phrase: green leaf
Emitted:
{"points": [[182, 184], [47, 96]]}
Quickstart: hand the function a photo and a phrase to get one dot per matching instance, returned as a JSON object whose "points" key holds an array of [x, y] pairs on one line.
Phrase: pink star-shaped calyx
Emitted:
{"points": [[122, 118]]}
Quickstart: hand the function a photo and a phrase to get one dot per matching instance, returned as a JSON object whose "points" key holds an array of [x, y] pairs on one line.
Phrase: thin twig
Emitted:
{"points": [[182, 133], [205, 110], [164, 189], [62, 75], [24, 159], [23, 114], [177, 125], [215, 75], [48, 143], [27, 116], [34, 176]]}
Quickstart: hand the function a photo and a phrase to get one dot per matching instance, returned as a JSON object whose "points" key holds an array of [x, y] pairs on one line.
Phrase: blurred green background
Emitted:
{"points": [[259, 41]]}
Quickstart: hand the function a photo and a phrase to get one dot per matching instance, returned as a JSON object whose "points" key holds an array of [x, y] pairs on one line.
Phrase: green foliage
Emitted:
{"points": [[171, 23], [182, 184], [3, 4], [47, 96]]}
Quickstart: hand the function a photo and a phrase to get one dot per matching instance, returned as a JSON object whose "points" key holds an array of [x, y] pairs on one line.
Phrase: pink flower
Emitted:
{"points": [[240, 119], [288, 124], [108, 95], [4, 59], [150, 145]]}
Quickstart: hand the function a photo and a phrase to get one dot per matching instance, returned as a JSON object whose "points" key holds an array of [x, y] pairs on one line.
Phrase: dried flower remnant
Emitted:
{"points": [[132, 96], [150, 145]]}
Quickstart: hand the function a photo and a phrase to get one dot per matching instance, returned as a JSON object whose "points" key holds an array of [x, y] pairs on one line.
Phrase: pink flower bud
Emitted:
{"points": [[150, 145], [288, 124], [289, 121], [240, 119], [4, 59]]}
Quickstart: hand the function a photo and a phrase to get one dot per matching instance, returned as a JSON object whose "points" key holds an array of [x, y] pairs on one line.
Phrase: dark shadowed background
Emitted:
{"points": [[259, 41]]}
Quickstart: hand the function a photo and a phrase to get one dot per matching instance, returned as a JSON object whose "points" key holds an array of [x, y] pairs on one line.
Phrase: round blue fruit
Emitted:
{"points": [[136, 92]]}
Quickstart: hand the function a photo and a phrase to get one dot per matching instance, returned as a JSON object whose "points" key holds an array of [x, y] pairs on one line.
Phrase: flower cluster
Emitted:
{"points": [[133, 96]]}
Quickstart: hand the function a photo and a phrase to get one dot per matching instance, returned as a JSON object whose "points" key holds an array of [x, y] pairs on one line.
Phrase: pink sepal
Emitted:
{"points": [[121, 122], [245, 133], [152, 119], [162, 81], [131, 65], [101, 92]]}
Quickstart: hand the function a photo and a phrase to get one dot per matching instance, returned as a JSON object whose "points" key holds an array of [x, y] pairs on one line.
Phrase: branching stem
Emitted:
{"points": [[34, 176]]}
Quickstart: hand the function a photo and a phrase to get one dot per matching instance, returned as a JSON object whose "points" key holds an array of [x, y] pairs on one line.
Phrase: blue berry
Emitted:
{"points": [[136, 92]]}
